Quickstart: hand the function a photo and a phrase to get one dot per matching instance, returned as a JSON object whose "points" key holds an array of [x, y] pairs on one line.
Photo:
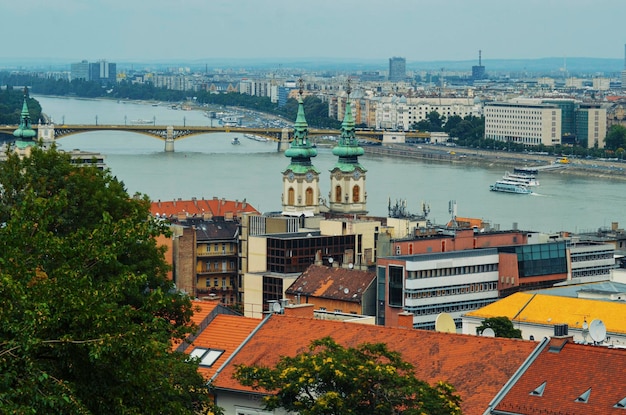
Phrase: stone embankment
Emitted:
{"points": [[613, 169]]}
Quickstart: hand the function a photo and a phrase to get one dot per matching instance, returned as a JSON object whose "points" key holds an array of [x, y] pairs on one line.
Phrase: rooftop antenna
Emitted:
{"points": [[452, 211], [441, 85]]}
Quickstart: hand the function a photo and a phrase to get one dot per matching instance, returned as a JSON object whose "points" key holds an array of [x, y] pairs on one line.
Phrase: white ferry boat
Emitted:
{"points": [[521, 178], [509, 187], [256, 138]]}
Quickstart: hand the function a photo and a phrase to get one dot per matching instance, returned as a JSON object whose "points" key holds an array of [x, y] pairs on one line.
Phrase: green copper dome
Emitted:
{"points": [[348, 149], [25, 130], [300, 150]]}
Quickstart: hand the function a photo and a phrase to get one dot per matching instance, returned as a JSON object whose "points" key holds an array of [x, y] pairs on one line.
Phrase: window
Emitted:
{"points": [[356, 194], [291, 196], [207, 356], [338, 194], [309, 196]]}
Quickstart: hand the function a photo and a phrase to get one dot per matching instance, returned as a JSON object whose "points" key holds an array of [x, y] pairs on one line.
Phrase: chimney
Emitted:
{"points": [[405, 319], [318, 257], [299, 310]]}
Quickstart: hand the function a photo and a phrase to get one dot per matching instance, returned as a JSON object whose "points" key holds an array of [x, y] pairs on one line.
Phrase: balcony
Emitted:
{"points": [[204, 271], [227, 252]]}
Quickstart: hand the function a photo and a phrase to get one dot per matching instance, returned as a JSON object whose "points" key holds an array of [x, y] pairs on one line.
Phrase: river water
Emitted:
{"points": [[210, 166]]}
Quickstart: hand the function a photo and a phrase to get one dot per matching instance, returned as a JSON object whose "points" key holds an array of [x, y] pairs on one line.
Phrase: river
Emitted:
{"points": [[209, 166]]}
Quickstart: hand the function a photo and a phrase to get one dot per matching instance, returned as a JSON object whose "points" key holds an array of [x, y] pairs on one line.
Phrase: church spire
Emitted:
{"points": [[301, 178], [300, 151], [24, 132], [347, 178], [348, 149]]}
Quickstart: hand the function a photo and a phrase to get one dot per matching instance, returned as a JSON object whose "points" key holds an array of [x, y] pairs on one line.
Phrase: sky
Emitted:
{"points": [[418, 30]]}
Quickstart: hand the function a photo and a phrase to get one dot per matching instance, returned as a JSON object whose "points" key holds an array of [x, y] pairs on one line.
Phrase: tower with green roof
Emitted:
{"points": [[24, 134], [301, 191], [347, 178]]}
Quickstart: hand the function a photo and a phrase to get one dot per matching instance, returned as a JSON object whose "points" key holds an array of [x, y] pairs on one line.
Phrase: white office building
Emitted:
{"points": [[526, 123]]}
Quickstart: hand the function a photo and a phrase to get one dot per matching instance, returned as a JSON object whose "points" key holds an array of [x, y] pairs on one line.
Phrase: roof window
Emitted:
{"points": [[584, 398], [539, 390], [621, 404], [207, 356]]}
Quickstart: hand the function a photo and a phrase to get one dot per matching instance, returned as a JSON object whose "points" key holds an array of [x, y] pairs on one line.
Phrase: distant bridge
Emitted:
{"points": [[170, 134]]}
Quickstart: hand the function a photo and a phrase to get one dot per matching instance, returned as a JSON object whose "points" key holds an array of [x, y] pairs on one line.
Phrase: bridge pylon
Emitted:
{"points": [[169, 139], [283, 144]]}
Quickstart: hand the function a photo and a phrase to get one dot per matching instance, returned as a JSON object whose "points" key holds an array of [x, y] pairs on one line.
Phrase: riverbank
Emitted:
{"points": [[612, 169]]}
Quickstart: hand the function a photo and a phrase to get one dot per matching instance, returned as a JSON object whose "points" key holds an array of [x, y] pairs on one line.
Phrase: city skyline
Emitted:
{"points": [[285, 29]]}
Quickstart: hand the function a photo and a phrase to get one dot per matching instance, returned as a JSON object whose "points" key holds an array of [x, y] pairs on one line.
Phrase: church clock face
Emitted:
{"points": [[356, 175], [309, 176], [291, 176]]}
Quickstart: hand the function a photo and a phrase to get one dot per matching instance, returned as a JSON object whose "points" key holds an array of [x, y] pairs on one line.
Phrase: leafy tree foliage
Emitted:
{"points": [[88, 315], [332, 380], [501, 326], [616, 137], [11, 101]]}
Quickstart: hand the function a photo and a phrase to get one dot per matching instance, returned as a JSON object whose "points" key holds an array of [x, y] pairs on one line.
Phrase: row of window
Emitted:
{"points": [[219, 265], [591, 272], [591, 257], [460, 306], [216, 282], [216, 247], [451, 290], [445, 272]]}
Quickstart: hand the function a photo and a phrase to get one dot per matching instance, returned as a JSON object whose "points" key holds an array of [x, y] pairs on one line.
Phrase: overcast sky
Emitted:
{"points": [[136, 30]]}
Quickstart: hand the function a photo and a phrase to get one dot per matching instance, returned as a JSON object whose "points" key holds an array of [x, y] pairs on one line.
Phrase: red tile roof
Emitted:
{"points": [[569, 373], [200, 207], [478, 367], [332, 282], [225, 332], [202, 309]]}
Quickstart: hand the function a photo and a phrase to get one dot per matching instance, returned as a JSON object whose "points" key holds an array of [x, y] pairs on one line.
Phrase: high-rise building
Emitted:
{"points": [[478, 71], [103, 72], [80, 70], [397, 69]]}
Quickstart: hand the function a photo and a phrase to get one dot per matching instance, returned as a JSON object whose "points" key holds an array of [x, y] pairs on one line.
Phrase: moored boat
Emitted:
{"points": [[509, 187], [235, 141], [256, 138]]}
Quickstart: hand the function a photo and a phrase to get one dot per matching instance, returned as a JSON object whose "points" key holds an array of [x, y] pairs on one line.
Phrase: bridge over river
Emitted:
{"points": [[170, 134]]}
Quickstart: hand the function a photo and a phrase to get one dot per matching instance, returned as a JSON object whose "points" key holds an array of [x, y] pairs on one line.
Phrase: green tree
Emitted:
{"points": [[616, 137], [332, 380], [501, 326], [88, 317]]}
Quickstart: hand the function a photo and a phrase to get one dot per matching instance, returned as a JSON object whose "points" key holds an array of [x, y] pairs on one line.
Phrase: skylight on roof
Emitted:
{"points": [[539, 390], [621, 404], [584, 398], [207, 356]]}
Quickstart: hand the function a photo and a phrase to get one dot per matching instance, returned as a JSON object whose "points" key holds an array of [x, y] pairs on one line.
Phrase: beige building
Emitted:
{"points": [[591, 125], [523, 123]]}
